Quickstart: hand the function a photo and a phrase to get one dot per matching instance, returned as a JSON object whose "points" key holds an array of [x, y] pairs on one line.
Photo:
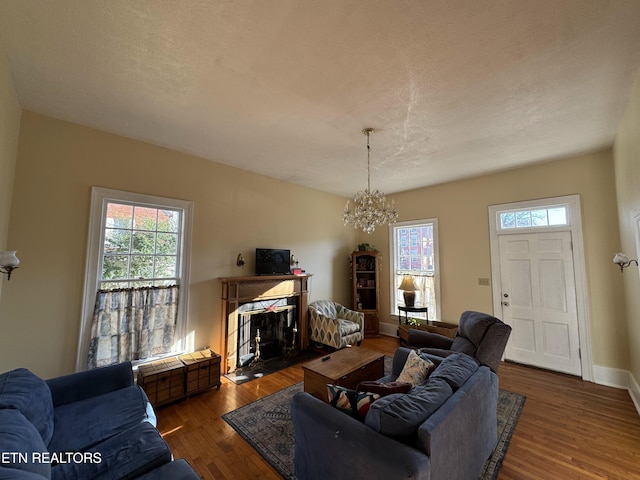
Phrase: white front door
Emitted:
{"points": [[539, 300]]}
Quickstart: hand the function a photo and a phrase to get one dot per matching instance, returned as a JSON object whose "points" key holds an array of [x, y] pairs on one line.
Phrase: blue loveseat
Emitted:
{"points": [[95, 424], [442, 429]]}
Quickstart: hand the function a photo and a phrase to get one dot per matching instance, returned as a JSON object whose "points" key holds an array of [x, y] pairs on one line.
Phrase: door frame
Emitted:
{"points": [[575, 228]]}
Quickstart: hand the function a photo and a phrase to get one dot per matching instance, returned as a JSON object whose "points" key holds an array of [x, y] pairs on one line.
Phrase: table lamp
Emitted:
{"points": [[409, 290]]}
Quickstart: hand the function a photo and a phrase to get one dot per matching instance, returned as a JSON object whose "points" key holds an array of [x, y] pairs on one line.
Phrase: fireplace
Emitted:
{"points": [[272, 308], [265, 334]]}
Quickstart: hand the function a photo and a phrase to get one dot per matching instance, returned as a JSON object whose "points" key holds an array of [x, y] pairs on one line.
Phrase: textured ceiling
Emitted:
{"points": [[284, 87]]}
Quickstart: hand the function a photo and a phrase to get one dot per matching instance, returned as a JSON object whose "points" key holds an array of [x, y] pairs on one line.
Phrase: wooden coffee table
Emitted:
{"points": [[346, 367]]}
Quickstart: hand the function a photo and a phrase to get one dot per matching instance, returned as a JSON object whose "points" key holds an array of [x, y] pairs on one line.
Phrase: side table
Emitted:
{"points": [[401, 309]]}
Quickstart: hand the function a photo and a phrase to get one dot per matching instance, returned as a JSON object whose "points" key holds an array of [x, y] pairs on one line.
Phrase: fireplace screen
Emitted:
{"points": [[266, 334]]}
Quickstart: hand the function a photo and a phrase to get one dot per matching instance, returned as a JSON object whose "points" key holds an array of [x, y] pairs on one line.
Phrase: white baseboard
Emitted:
{"points": [[389, 329], [634, 391], [617, 378], [611, 377]]}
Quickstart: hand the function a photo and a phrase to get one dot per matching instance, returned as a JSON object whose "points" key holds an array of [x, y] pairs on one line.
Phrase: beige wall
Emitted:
{"points": [[461, 209], [627, 164], [9, 131], [235, 211]]}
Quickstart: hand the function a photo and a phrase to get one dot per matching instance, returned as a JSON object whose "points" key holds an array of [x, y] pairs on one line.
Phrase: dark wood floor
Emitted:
{"points": [[569, 429]]}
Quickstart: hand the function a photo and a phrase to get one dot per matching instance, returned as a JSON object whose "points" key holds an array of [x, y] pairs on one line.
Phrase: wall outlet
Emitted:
{"points": [[483, 281]]}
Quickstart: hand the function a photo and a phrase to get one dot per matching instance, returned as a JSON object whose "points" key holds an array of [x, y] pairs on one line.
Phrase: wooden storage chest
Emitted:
{"points": [[202, 371], [162, 381]]}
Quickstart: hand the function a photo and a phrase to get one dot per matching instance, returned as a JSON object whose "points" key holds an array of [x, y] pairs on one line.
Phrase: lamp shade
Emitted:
{"points": [[9, 259], [407, 284], [620, 258]]}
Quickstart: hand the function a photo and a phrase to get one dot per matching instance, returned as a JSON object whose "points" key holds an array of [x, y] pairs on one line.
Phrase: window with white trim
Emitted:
{"points": [[141, 245], [414, 247], [538, 217], [138, 242]]}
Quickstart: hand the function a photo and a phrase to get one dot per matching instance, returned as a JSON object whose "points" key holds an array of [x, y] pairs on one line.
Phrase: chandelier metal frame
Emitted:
{"points": [[370, 207]]}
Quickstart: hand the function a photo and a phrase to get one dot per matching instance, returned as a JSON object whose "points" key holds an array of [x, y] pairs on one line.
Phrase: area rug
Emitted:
{"points": [[266, 425]]}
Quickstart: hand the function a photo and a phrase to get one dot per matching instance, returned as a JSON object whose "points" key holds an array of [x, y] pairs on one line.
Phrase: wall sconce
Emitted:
{"points": [[623, 261], [240, 261], [409, 290], [8, 262]]}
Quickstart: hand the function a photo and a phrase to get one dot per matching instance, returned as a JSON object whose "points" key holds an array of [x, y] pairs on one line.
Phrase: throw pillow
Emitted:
{"points": [[415, 370], [350, 401], [383, 389]]}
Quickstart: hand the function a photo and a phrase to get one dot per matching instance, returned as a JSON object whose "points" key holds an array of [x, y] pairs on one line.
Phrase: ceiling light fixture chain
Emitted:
{"points": [[368, 132], [370, 207]]}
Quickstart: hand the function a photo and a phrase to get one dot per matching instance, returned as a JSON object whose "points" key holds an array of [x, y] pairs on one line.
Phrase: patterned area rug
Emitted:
{"points": [[266, 425]]}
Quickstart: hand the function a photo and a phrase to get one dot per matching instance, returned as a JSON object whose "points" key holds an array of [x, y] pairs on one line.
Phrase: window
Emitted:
{"points": [[415, 252], [551, 216], [140, 244]]}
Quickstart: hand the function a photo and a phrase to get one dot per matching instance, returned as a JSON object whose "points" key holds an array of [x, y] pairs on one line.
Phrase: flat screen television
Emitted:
{"points": [[271, 261]]}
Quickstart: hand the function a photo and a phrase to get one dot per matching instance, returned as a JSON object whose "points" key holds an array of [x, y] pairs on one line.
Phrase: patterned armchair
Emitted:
{"points": [[335, 325]]}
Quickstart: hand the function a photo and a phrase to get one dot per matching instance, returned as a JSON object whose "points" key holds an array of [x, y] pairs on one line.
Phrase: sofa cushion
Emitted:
{"points": [[21, 446], [80, 425], [456, 369], [176, 470], [124, 456], [383, 388], [24, 391], [350, 401], [347, 327], [399, 415], [15, 474], [416, 369], [463, 345], [474, 326]]}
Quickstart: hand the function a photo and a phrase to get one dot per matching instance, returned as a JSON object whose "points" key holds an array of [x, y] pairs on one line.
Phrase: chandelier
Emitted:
{"points": [[370, 208]]}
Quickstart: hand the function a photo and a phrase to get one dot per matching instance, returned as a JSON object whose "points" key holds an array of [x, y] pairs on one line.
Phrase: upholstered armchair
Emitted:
{"points": [[479, 335], [335, 325]]}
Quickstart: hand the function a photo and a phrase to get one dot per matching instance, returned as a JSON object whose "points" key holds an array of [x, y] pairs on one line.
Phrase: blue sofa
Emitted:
{"points": [[95, 424], [442, 429]]}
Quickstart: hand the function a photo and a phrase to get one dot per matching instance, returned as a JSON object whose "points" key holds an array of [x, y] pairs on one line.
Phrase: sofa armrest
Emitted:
{"points": [[399, 359], [493, 345], [90, 383], [422, 338], [347, 446], [465, 424]]}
